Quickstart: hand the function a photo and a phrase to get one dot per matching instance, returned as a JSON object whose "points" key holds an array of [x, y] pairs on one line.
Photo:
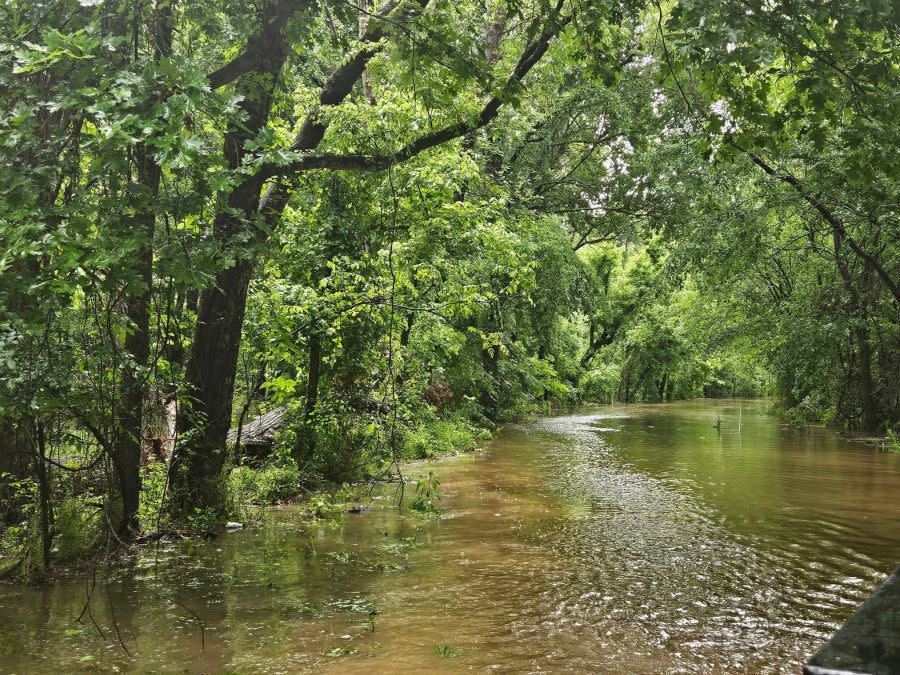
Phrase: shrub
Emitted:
{"points": [[440, 437], [894, 438], [808, 411], [518, 409], [151, 514], [275, 480], [78, 524], [599, 384]]}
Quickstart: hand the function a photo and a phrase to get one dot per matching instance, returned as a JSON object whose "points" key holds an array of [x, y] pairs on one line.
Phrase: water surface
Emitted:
{"points": [[621, 539]]}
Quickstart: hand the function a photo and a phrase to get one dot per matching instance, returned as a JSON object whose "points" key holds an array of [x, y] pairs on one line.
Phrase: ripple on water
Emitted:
{"points": [[681, 572]]}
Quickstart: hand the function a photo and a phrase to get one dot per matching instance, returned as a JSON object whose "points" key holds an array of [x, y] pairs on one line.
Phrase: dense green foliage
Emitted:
{"points": [[402, 225]]}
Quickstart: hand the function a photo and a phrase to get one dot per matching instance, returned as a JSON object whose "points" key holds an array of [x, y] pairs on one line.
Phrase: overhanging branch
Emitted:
{"points": [[258, 46], [338, 86], [341, 81], [362, 162], [827, 214]]}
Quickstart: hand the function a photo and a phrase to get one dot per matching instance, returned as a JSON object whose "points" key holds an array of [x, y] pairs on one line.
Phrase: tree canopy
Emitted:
{"points": [[407, 222]]}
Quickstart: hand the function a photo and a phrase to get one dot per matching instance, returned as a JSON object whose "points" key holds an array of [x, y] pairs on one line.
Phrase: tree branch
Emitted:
{"points": [[827, 214], [95, 431], [338, 86], [358, 162], [341, 81], [259, 45]]}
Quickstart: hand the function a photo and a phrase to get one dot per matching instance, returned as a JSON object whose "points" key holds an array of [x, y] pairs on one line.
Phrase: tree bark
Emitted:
{"points": [[18, 441], [306, 445], [368, 90], [130, 425], [870, 421], [606, 337], [212, 366], [209, 384], [661, 388], [43, 478], [624, 391], [16, 452], [870, 417]]}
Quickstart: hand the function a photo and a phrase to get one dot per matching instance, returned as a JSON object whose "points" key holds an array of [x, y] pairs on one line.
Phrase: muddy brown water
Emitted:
{"points": [[623, 539]]}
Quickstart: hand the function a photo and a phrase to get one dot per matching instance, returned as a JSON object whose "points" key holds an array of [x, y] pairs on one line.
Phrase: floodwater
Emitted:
{"points": [[623, 539]]}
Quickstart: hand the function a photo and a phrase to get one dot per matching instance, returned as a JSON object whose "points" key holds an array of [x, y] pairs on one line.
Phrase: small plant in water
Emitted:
{"points": [[203, 520], [427, 494], [324, 506], [894, 439], [446, 651]]}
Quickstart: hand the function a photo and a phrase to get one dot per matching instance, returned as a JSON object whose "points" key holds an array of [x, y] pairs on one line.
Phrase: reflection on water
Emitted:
{"points": [[623, 539]]}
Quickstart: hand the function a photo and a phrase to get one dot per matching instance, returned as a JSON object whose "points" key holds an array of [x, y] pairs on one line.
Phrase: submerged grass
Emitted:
{"points": [[446, 651]]}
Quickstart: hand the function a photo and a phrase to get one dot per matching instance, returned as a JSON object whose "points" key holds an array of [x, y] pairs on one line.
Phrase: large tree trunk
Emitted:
{"points": [[661, 386], [130, 424], [624, 392], [129, 429], [46, 506], [870, 418], [312, 384], [16, 460], [127, 446], [306, 443], [209, 384], [212, 366], [18, 441], [15, 448], [405, 334], [368, 90], [490, 396]]}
